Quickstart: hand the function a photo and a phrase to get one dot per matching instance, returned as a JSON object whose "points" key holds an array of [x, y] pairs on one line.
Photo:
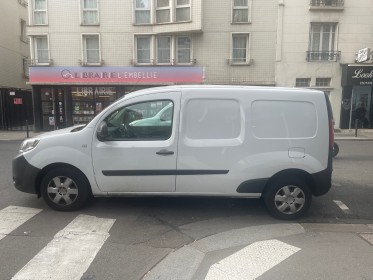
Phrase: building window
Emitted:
{"points": [[163, 49], [40, 12], [168, 49], [89, 12], [323, 42], [241, 11], [323, 82], [41, 50], [91, 47], [182, 10], [25, 66], [142, 11], [23, 36], [163, 11], [143, 49], [303, 82], [183, 49], [240, 48]]}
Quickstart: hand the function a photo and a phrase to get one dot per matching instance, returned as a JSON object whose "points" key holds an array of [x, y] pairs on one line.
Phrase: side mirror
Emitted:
{"points": [[102, 131]]}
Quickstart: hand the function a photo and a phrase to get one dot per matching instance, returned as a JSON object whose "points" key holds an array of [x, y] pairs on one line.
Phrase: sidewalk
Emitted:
{"points": [[340, 135]]}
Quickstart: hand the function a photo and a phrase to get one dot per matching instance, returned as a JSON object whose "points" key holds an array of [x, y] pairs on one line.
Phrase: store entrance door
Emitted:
{"points": [[361, 107], [53, 108]]}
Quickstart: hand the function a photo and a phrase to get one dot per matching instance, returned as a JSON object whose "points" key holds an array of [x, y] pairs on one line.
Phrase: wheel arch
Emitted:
{"points": [[298, 173], [52, 166]]}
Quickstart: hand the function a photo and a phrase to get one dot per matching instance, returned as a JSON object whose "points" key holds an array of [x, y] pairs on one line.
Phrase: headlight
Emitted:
{"points": [[28, 145]]}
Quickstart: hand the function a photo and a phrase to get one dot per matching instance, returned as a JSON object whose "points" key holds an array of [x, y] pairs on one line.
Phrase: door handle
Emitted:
{"points": [[164, 152]]}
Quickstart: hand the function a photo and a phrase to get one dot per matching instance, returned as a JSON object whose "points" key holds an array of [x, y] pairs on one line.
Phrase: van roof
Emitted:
{"points": [[204, 86]]}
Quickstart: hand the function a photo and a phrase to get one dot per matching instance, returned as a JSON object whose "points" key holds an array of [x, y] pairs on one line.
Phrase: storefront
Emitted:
{"points": [[66, 96], [357, 96]]}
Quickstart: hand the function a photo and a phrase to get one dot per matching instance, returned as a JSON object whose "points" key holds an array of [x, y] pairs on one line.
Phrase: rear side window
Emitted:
{"points": [[283, 119], [212, 119]]}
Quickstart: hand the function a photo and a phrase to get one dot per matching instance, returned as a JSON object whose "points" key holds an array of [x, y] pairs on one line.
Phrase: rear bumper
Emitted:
{"points": [[322, 182], [24, 174]]}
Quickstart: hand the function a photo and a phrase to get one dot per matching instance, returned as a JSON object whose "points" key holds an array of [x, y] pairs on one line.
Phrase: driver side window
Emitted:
{"points": [[144, 121]]}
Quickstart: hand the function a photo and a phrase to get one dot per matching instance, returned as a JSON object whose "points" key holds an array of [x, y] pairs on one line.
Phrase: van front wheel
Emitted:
{"points": [[65, 189], [288, 199]]}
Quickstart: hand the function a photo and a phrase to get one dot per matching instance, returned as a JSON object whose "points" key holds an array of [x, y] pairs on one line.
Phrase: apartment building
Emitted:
{"points": [[15, 94], [325, 44], [87, 53], [100, 50]]}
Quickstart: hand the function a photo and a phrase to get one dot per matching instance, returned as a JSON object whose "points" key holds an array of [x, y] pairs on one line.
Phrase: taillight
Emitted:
{"points": [[331, 133]]}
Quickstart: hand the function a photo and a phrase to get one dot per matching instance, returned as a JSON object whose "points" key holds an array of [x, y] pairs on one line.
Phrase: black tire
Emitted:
{"points": [[65, 189], [335, 149], [287, 198]]}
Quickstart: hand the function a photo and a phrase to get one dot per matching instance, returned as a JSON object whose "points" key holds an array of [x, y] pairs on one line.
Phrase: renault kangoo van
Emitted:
{"points": [[234, 141]]}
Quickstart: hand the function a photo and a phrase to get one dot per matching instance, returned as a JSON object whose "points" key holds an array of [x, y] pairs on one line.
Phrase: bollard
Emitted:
{"points": [[27, 134], [356, 123]]}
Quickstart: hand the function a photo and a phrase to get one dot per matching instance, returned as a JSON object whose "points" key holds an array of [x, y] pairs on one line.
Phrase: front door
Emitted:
{"points": [[139, 154]]}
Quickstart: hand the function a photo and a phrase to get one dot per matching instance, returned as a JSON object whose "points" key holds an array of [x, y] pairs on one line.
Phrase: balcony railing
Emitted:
{"points": [[327, 4], [323, 56], [41, 62], [163, 62], [239, 61]]}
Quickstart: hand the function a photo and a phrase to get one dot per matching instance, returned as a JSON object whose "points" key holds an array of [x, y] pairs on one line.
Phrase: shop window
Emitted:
{"points": [[39, 12], [303, 82], [92, 53], [241, 11], [240, 49], [87, 102], [323, 82], [89, 12], [142, 11]]}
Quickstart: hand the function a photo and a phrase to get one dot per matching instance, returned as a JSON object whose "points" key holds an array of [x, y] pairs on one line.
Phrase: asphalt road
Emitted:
{"points": [[147, 230]]}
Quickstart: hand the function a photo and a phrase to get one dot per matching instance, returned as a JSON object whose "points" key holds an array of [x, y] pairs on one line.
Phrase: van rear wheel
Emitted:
{"points": [[288, 198], [65, 189]]}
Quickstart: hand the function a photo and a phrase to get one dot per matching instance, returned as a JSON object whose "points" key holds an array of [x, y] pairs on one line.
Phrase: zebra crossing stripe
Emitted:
{"points": [[252, 261], [12, 217], [70, 252]]}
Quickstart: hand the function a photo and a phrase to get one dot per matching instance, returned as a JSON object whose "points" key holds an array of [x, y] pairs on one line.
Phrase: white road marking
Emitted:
{"points": [[342, 206], [337, 185], [70, 252], [12, 217], [252, 261]]}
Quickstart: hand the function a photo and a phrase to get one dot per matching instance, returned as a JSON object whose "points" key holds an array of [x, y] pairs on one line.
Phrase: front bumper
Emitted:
{"points": [[24, 174]]}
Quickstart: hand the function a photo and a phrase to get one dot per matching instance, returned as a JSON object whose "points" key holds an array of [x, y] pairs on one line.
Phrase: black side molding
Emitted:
{"points": [[162, 172]]}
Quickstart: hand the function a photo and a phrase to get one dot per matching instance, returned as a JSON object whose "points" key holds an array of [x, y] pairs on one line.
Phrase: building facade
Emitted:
{"points": [[325, 45], [101, 50], [15, 94]]}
